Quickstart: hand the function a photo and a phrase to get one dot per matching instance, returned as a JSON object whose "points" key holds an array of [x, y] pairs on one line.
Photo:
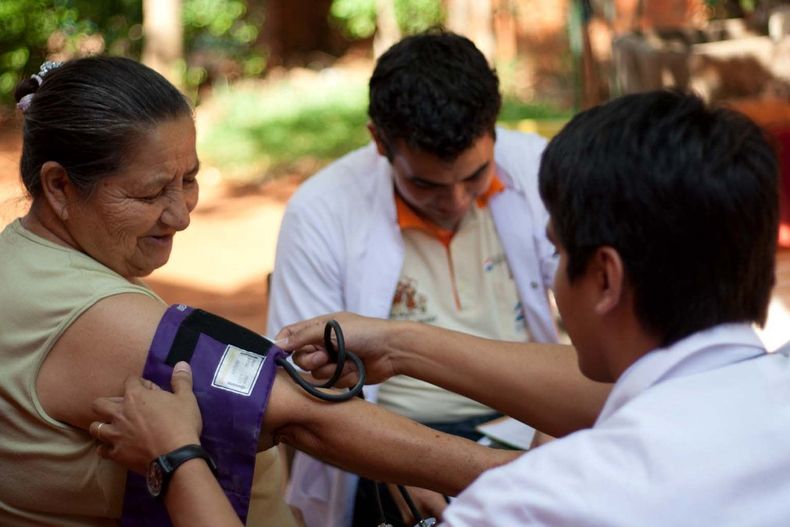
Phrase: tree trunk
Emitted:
{"points": [[163, 49], [473, 19], [387, 30], [505, 32], [296, 32]]}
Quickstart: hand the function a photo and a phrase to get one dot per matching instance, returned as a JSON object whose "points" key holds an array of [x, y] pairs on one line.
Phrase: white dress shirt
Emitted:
{"points": [[694, 434]]}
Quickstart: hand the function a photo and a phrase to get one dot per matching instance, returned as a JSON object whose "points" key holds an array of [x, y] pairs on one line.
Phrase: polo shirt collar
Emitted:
{"points": [[409, 219], [703, 351]]}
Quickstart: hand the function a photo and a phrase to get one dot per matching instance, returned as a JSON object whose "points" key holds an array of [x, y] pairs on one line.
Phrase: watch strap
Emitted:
{"points": [[183, 454], [172, 460]]}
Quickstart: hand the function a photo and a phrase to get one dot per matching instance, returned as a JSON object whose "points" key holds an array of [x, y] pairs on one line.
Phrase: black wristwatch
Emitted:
{"points": [[162, 468]]}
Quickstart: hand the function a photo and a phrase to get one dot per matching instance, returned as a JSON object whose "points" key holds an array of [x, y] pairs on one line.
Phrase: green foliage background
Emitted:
{"points": [[30, 28], [33, 30], [257, 130], [288, 127], [357, 18]]}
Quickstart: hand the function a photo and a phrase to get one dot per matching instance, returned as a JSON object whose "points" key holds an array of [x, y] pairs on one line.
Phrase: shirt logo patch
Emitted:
{"points": [[407, 303]]}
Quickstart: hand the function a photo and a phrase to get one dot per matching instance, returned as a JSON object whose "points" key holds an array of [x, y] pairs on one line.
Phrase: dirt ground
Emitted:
{"points": [[220, 263]]}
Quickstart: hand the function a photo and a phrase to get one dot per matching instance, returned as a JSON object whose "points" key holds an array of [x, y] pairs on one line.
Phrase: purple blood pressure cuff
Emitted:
{"points": [[233, 372]]}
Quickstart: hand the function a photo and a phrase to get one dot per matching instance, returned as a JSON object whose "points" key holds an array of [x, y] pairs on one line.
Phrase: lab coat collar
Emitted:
{"points": [[702, 351]]}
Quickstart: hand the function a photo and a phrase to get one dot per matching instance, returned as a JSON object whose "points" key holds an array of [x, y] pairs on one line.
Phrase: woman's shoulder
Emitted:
{"points": [[36, 269]]}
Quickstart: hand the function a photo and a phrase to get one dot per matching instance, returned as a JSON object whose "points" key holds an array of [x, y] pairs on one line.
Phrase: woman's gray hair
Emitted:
{"points": [[88, 114]]}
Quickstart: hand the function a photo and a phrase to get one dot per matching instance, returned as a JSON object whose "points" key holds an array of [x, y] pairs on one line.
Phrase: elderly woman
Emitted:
{"points": [[109, 161], [110, 164]]}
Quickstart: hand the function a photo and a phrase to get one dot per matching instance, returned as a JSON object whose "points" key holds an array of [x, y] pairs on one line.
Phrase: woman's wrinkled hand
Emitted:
{"points": [[147, 421]]}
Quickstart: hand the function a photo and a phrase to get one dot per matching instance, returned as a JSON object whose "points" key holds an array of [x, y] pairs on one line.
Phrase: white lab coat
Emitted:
{"points": [[693, 434], [340, 248]]}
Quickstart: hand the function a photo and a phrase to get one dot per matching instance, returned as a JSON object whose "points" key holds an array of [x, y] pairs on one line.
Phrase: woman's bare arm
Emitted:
{"points": [[95, 355]]}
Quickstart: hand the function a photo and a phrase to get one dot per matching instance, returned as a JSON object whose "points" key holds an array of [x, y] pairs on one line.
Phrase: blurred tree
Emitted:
{"points": [[163, 31], [414, 16], [473, 18], [32, 31], [295, 32], [357, 18], [221, 40], [388, 32], [729, 8], [360, 19], [505, 31], [218, 36]]}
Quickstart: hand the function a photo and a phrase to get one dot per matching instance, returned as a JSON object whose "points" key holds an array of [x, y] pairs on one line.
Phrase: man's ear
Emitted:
{"points": [[608, 273], [381, 146], [57, 188]]}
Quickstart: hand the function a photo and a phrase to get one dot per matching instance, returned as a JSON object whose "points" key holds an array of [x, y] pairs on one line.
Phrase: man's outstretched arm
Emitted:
{"points": [[368, 440], [539, 384]]}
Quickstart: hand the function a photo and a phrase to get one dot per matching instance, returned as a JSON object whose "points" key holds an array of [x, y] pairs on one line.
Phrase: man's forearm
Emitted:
{"points": [[368, 440], [539, 384]]}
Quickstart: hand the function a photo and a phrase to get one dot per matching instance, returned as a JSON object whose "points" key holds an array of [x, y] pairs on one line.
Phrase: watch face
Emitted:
{"points": [[154, 478]]}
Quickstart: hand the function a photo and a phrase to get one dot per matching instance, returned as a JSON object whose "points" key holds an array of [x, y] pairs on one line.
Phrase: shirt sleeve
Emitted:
{"points": [[307, 280], [565, 482], [522, 153], [546, 252]]}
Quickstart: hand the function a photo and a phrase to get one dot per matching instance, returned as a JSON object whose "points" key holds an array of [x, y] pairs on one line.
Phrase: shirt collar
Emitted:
{"points": [[409, 219], [702, 351], [495, 187]]}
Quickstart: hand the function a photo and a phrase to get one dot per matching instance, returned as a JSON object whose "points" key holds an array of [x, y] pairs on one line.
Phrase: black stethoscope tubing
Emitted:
{"points": [[339, 353]]}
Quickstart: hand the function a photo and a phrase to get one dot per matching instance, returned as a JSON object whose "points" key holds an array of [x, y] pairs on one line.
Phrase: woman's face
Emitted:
{"points": [[129, 221]]}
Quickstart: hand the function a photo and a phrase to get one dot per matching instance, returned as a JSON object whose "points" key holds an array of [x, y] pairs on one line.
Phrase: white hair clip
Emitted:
{"points": [[46, 67], [24, 102]]}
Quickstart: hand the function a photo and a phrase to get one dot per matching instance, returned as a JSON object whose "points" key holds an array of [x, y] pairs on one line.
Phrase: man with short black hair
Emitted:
{"points": [[438, 221], [665, 216]]}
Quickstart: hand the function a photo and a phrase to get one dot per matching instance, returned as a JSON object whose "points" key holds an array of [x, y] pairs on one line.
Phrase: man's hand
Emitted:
{"points": [[367, 337], [147, 421]]}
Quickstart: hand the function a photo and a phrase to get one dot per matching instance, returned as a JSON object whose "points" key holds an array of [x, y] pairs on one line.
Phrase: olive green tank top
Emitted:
{"points": [[51, 474], [49, 471]]}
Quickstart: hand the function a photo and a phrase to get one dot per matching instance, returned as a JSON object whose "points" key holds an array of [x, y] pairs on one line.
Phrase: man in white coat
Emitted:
{"points": [[665, 215], [439, 221]]}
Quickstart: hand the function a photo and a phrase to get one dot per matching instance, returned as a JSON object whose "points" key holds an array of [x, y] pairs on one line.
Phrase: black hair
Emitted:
{"points": [[687, 195], [436, 91], [88, 114]]}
